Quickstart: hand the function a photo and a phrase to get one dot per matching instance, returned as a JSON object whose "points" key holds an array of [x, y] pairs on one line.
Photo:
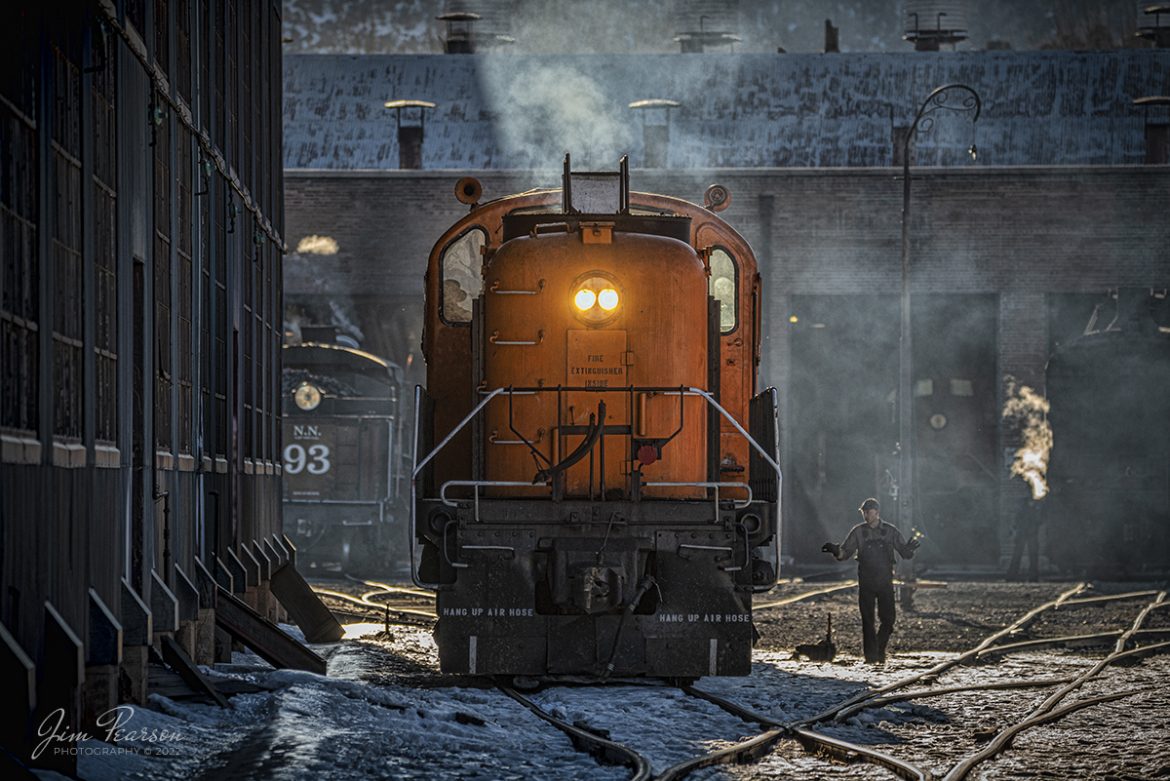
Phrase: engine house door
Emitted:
{"points": [[595, 359]]}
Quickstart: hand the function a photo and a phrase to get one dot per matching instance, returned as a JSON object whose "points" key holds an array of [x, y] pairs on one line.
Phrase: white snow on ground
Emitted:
{"points": [[366, 721]]}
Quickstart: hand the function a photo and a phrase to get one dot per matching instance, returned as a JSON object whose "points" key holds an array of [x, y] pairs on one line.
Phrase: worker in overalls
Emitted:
{"points": [[874, 542]]}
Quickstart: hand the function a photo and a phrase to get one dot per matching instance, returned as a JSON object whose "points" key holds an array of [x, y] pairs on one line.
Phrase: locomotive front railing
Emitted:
{"points": [[487, 398]]}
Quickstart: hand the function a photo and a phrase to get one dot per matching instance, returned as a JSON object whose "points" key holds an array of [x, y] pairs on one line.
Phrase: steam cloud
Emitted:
{"points": [[544, 111], [1029, 410]]}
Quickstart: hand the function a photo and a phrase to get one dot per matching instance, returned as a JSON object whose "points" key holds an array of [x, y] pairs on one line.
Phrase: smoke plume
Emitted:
{"points": [[1028, 410]]}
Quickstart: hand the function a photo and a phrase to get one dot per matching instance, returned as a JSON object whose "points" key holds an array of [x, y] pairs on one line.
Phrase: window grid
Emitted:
{"points": [[105, 250], [184, 343], [19, 270], [65, 246], [162, 285], [222, 194]]}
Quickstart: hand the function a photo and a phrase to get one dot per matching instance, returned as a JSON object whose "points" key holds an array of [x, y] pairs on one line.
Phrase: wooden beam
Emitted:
{"points": [[304, 607], [268, 641]]}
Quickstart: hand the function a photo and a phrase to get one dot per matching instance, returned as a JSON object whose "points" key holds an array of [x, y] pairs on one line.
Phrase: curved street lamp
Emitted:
{"points": [[937, 100]]}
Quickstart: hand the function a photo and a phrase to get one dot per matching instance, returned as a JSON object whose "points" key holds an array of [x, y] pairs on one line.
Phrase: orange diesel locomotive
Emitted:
{"points": [[596, 487]]}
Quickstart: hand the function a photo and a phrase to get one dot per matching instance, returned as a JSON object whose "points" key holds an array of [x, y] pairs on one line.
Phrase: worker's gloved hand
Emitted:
{"points": [[831, 547], [914, 544]]}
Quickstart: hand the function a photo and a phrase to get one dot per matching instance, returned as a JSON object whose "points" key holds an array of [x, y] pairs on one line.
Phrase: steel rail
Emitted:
{"points": [[806, 595], [1046, 708], [757, 747], [938, 669], [1044, 642], [1111, 597], [809, 740], [380, 607], [389, 587], [605, 751]]}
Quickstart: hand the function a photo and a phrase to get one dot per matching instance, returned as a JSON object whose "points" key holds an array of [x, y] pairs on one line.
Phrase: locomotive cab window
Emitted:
{"points": [[462, 276], [724, 288]]}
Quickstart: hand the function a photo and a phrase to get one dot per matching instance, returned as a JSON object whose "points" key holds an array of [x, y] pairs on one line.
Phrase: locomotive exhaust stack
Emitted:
{"points": [[609, 339]]}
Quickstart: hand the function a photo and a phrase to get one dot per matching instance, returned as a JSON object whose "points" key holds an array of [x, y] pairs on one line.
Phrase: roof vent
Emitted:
{"points": [[410, 136], [655, 129], [931, 23], [698, 41], [460, 37], [1157, 109], [1154, 23]]}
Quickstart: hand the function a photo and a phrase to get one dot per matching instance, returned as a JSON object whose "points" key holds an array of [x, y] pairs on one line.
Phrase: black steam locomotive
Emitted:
{"points": [[343, 466], [1108, 514]]}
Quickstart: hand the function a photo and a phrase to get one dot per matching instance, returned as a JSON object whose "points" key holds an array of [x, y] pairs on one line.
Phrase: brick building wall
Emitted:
{"points": [[1020, 233]]}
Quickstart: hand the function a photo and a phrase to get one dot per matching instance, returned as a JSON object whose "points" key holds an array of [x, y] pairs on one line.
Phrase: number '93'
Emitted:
{"points": [[315, 461]]}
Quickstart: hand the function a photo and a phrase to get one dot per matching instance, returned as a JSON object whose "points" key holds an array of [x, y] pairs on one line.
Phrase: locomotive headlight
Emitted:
{"points": [[307, 396], [596, 297], [607, 299], [585, 299]]}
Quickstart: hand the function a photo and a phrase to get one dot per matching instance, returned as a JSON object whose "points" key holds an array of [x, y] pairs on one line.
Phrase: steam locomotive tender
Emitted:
{"points": [[595, 488], [344, 472]]}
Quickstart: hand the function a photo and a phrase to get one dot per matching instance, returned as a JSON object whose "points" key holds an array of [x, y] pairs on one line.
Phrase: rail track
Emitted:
{"points": [[382, 602], [923, 685]]}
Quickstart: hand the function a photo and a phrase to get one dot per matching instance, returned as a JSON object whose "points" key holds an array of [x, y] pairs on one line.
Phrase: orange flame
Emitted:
{"points": [[1029, 410]]}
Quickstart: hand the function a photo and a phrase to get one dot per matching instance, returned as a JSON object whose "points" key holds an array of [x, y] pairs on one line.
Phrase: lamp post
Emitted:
{"points": [[937, 100]]}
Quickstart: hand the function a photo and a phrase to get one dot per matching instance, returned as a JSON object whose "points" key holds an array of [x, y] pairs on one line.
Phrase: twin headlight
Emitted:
{"points": [[596, 298]]}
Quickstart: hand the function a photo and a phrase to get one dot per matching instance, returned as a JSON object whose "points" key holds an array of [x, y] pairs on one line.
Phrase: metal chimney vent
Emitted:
{"points": [[460, 38], [930, 23], [1154, 23], [698, 41]]}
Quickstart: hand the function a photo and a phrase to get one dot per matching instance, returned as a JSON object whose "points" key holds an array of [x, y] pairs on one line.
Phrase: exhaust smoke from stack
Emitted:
{"points": [[1028, 410]]}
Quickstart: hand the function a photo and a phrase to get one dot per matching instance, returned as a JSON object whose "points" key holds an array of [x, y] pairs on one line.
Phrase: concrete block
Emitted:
{"points": [[224, 574], [132, 677], [277, 545], [187, 593], [20, 696], [205, 637], [251, 566], [205, 582], [99, 693], [292, 549], [105, 634], [137, 621], [186, 637], [261, 556], [61, 673], [239, 573], [164, 606]]}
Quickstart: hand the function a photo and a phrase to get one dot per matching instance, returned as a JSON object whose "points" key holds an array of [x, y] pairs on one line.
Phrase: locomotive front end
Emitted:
{"points": [[581, 507]]}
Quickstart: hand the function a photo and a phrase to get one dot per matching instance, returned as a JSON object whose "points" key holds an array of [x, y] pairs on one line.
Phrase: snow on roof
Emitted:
{"points": [[514, 111]]}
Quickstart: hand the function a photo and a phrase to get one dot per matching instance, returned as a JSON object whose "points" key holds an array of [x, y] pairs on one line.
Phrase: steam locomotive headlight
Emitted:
{"points": [[585, 299], [307, 396], [607, 299]]}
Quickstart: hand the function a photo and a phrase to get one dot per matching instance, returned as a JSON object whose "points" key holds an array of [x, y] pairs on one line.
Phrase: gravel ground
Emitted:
{"points": [[1126, 739], [951, 616]]}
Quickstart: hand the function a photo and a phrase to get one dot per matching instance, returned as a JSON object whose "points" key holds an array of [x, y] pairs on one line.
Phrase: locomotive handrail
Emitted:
{"points": [[716, 486], [496, 340], [688, 391], [495, 288], [418, 467], [477, 484]]}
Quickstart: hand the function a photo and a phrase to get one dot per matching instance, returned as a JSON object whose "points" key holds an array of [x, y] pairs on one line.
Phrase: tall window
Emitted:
{"points": [[248, 263], [184, 304], [105, 257], [220, 322], [724, 287], [65, 225], [19, 277], [162, 278]]}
